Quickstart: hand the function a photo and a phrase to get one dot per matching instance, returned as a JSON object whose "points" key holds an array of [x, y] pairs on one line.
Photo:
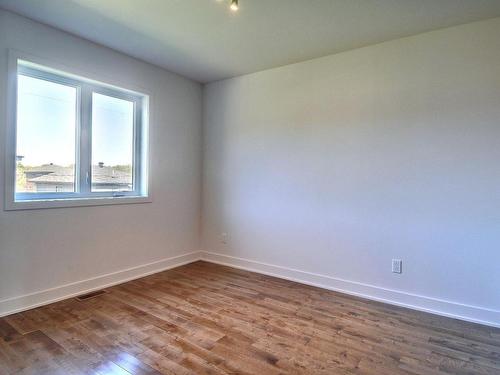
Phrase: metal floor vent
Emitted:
{"points": [[87, 296]]}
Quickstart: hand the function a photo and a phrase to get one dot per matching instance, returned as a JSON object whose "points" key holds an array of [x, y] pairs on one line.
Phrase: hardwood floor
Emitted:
{"points": [[208, 319]]}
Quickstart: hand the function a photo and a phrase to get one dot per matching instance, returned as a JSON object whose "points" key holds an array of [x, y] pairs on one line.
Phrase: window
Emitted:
{"points": [[77, 142]]}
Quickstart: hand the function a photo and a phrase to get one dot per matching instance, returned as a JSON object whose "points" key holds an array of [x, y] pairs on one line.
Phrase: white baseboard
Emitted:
{"points": [[44, 297], [450, 309]]}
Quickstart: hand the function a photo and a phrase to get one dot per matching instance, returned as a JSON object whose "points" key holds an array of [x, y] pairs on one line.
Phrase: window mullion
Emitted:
{"points": [[85, 139]]}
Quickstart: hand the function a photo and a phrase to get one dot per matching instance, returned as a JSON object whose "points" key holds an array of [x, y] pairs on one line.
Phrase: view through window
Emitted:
{"points": [[112, 143], [46, 136], [75, 138]]}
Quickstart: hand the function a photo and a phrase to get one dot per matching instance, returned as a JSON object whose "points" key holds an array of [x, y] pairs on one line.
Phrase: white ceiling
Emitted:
{"points": [[203, 40]]}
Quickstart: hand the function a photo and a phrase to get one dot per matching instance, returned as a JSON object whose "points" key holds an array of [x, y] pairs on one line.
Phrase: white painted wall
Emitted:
{"points": [[41, 249], [336, 165]]}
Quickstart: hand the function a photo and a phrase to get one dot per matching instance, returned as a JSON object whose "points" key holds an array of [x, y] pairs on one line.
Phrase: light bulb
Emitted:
{"points": [[234, 5]]}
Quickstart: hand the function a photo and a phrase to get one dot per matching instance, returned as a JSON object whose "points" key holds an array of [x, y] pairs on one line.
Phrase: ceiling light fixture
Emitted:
{"points": [[234, 5]]}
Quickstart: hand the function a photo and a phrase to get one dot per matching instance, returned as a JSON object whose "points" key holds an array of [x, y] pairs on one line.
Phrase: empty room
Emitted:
{"points": [[250, 187]]}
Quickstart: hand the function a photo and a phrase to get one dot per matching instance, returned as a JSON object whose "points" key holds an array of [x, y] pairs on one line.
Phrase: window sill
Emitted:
{"points": [[76, 202]]}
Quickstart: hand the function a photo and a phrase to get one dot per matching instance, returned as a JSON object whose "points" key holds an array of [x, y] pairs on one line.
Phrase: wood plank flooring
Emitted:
{"points": [[208, 319]]}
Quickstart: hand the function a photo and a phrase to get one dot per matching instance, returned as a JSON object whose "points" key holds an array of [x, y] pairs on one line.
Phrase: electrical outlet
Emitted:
{"points": [[223, 238], [397, 266]]}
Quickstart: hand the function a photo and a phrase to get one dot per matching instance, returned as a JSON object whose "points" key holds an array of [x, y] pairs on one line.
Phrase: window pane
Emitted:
{"points": [[112, 143], [45, 149]]}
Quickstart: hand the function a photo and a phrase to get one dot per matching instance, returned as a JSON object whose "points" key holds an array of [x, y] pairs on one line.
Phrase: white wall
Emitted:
{"points": [[43, 249], [331, 167]]}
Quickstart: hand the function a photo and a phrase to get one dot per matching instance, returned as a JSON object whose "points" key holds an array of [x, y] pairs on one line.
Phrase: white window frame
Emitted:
{"points": [[83, 195]]}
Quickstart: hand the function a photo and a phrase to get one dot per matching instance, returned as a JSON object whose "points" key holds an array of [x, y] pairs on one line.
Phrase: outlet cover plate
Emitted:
{"points": [[397, 266]]}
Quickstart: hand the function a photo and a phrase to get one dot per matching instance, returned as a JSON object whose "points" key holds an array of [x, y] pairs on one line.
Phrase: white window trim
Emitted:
{"points": [[50, 200]]}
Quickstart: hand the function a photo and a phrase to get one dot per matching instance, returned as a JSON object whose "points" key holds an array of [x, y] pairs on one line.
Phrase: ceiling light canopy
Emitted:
{"points": [[234, 5]]}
